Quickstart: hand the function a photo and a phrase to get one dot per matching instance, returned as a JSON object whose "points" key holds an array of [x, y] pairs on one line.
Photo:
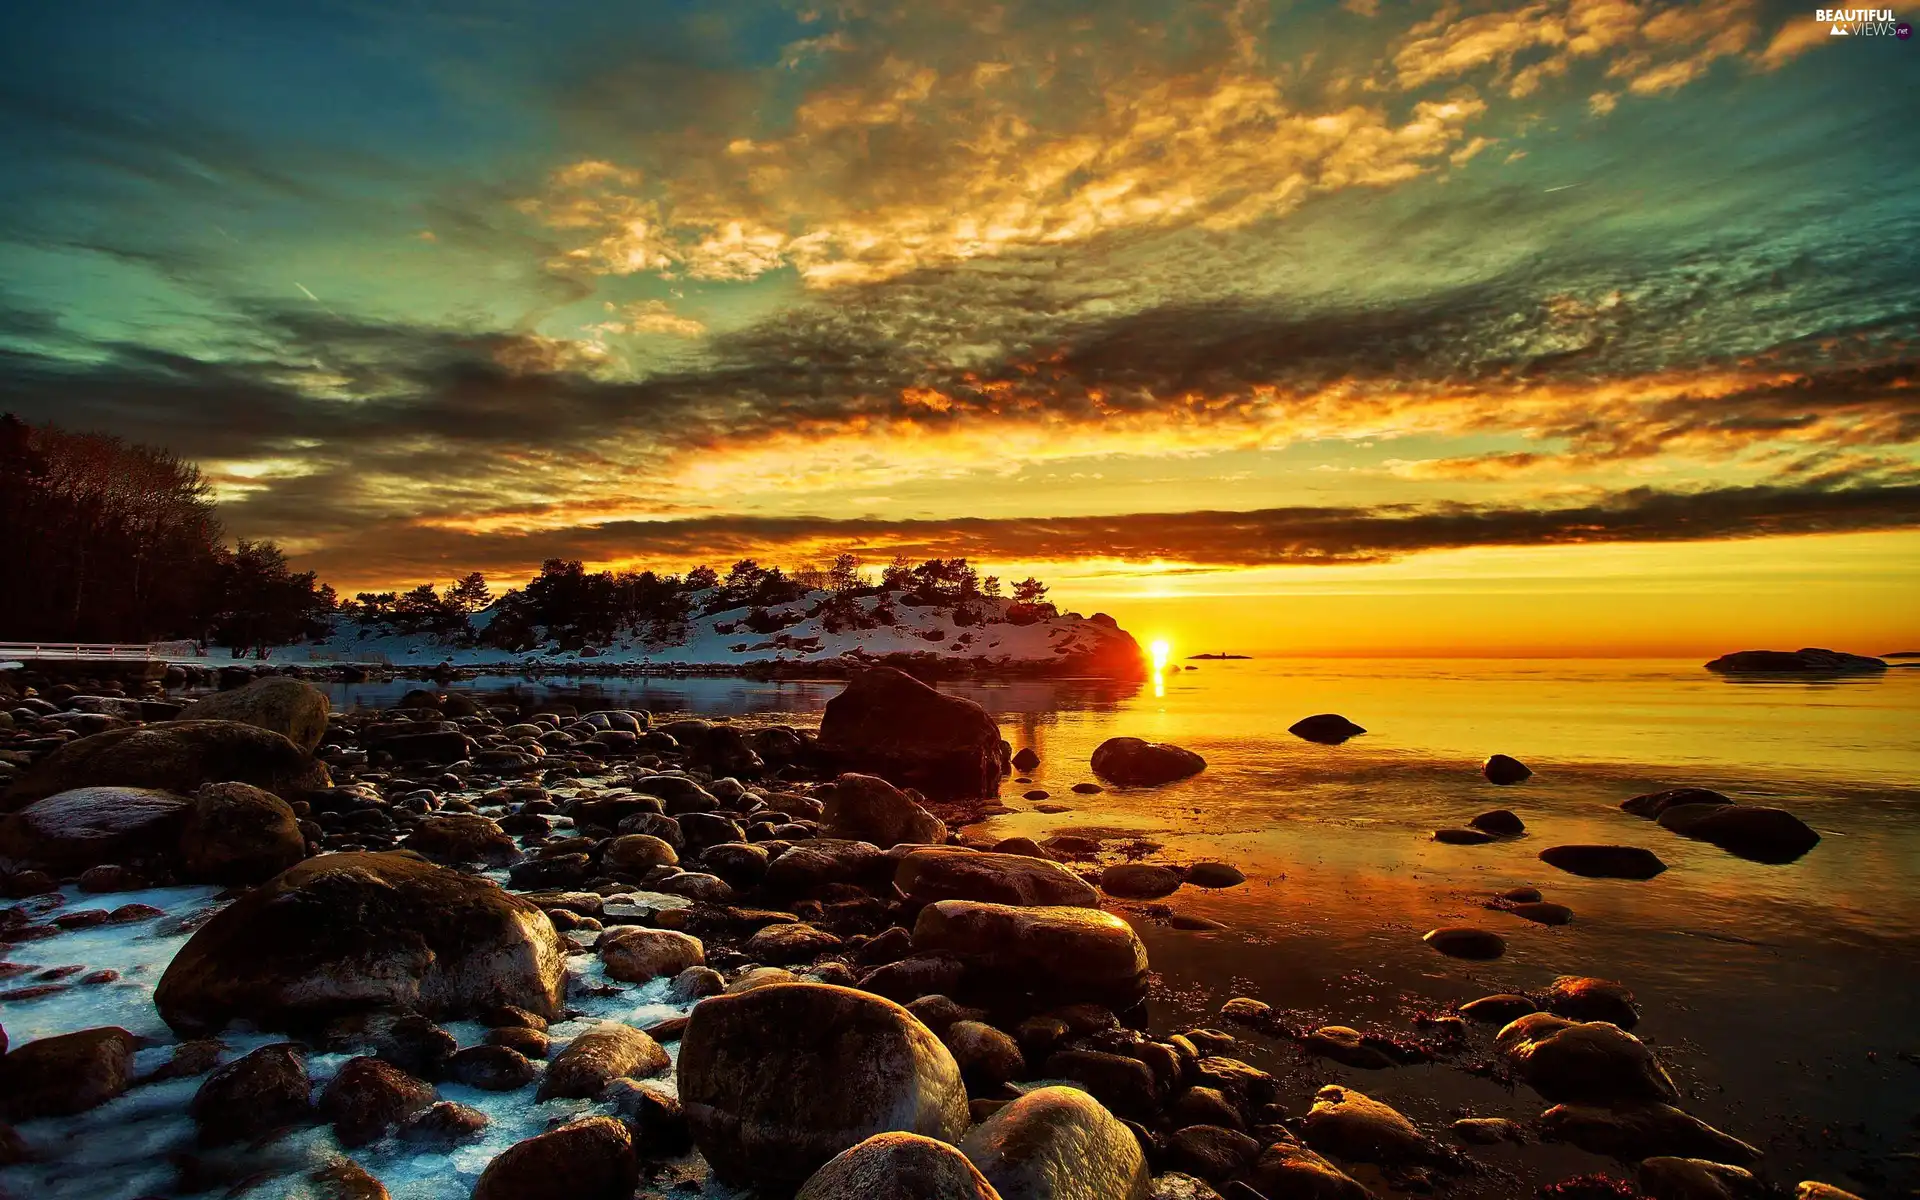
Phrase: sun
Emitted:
{"points": [[1162, 652]]}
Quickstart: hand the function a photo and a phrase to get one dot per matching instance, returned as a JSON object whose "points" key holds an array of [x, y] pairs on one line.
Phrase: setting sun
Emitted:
{"points": [[1161, 654]]}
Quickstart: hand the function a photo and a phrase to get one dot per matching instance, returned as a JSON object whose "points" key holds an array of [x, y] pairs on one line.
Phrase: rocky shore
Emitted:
{"points": [[255, 947]]}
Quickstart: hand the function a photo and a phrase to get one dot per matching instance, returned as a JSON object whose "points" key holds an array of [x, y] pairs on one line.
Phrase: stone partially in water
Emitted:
{"points": [[1462, 837], [1215, 875], [1349, 1046], [634, 954], [1653, 804], [778, 1080], [1583, 1062], [368, 1097], [866, 808], [1459, 941], [364, 931], [177, 756], [1290, 1169], [1328, 729], [1499, 1009], [589, 1159], [1133, 762], [1604, 862], [1504, 770], [1058, 1143], [1350, 1125], [91, 825], [1768, 835], [292, 708], [253, 1095], [1055, 954], [898, 1166], [929, 875], [1582, 998], [1540, 912], [888, 723], [594, 1059], [1139, 881], [1640, 1131], [1669, 1178], [1500, 822], [66, 1074]]}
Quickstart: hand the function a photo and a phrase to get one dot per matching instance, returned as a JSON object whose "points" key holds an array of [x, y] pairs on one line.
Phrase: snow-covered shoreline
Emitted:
{"points": [[980, 636]]}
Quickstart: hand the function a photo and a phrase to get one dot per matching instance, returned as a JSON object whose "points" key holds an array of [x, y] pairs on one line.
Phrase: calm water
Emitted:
{"points": [[1783, 997]]}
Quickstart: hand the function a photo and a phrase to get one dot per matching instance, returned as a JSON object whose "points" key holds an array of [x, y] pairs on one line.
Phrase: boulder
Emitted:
{"points": [[1328, 729], [1498, 1010], [177, 756], [359, 931], [1499, 822], [1125, 1085], [368, 1097], [866, 808], [636, 853], [987, 1056], [1047, 953], [898, 1166], [454, 838], [929, 875], [1809, 661], [778, 1080], [1215, 875], [1768, 835], [492, 1068], [1290, 1169], [1639, 1131], [1349, 1125], [820, 861], [1026, 759], [66, 1074], [1582, 998], [237, 834], [294, 709], [1604, 862], [1681, 818], [1583, 1062], [1346, 1045], [444, 1124], [1139, 881], [1810, 1189], [92, 825], [588, 1159], [608, 1051], [1503, 770], [787, 943], [1210, 1151], [636, 955], [1668, 1178], [888, 723], [1058, 1143], [1460, 941], [253, 1095], [1133, 762], [1462, 837], [1653, 804]]}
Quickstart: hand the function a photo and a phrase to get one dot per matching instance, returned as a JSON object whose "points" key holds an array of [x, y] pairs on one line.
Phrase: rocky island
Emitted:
{"points": [[1810, 661]]}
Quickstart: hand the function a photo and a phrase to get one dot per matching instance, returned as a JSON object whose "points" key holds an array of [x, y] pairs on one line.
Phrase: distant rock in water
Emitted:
{"points": [[1811, 661], [1132, 762], [1653, 804], [1329, 729], [1503, 770], [1768, 835]]}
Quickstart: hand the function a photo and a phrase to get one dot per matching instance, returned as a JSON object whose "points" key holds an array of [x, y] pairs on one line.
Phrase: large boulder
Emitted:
{"points": [[1047, 953], [778, 1080], [635, 954], [177, 756], [67, 1074], [291, 708], [1583, 1061], [236, 834], [1058, 1143], [86, 826], [898, 1166], [1133, 762], [1329, 729], [1349, 1125], [932, 874], [462, 838], [1768, 835], [888, 723], [866, 808], [358, 931], [608, 1051], [588, 1159]]}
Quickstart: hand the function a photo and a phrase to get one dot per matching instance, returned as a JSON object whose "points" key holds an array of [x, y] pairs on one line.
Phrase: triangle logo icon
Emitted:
{"points": [[1838, 32]]}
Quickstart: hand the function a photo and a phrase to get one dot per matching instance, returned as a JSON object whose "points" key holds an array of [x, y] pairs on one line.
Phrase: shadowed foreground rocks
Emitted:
{"points": [[889, 724], [364, 931]]}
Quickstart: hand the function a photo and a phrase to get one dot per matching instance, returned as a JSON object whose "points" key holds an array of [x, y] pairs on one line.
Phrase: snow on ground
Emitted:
{"points": [[721, 639], [124, 1149]]}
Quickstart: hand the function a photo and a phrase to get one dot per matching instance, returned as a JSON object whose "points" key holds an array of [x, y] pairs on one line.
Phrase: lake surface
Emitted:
{"points": [[1785, 999]]}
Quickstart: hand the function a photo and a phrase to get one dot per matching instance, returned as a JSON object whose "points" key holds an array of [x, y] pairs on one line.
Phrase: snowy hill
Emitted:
{"points": [[978, 635]]}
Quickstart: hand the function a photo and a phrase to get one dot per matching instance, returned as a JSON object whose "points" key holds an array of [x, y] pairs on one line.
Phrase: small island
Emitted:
{"points": [[1810, 661], [1218, 657]]}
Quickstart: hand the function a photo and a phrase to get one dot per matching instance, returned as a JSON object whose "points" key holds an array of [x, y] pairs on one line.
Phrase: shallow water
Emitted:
{"points": [[1783, 997]]}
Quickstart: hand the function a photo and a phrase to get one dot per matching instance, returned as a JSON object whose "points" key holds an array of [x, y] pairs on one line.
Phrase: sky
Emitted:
{"points": [[1565, 326]]}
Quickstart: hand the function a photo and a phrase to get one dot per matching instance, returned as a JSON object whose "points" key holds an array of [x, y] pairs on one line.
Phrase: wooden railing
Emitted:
{"points": [[76, 650]]}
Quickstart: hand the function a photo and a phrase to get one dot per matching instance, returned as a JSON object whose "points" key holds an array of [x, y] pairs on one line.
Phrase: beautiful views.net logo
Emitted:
{"points": [[1863, 22]]}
